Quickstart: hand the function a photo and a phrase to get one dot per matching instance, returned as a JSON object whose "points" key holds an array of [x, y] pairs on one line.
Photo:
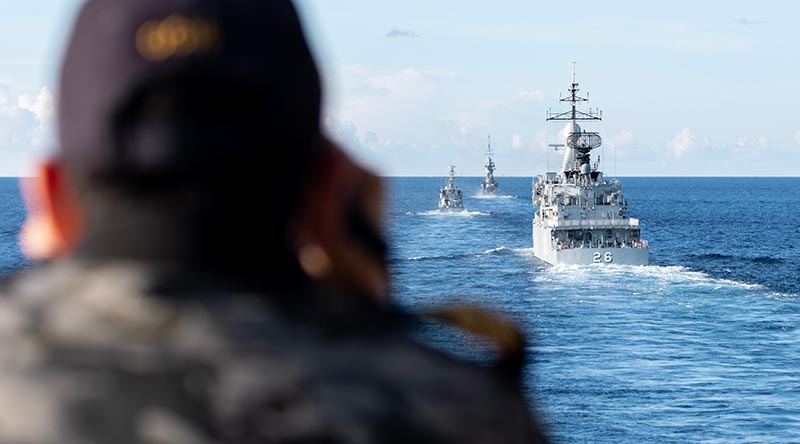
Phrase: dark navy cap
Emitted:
{"points": [[165, 86]]}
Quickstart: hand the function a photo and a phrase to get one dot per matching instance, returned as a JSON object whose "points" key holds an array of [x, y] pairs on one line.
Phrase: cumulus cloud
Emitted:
{"points": [[389, 103], [26, 129], [752, 145], [682, 143], [516, 142], [42, 105], [544, 139], [348, 135], [27, 121], [747, 22], [420, 122], [622, 139], [344, 133], [397, 32]]}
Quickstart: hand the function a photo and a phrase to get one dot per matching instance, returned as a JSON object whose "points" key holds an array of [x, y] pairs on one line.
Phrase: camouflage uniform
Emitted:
{"points": [[113, 353]]}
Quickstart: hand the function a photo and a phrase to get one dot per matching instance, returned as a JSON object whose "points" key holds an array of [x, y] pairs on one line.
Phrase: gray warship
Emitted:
{"points": [[580, 214], [451, 199], [489, 186]]}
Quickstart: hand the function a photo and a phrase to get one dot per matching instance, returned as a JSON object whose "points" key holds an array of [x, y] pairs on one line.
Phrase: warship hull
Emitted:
{"points": [[581, 216], [544, 249]]}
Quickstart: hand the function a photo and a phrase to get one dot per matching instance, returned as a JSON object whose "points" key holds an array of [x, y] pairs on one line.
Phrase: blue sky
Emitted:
{"points": [[686, 88]]}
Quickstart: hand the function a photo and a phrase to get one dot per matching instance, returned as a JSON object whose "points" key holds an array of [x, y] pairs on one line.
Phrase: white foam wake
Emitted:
{"points": [[438, 213], [497, 250], [492, 196], [633, 275]]}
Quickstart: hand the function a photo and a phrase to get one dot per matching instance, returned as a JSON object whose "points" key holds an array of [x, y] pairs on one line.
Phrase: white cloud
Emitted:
{"points": [[378, 114], [343, 133], [622, 139], [543, 139], [43, 106], [797, 138], [389, 102], [752, 145], [420, 120], [682, 143], [26, 129], [516, 142], [26, 122]]}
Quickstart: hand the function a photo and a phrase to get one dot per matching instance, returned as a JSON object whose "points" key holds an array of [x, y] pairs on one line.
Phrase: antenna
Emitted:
{"points": [[573, 99], [579, 140], [573, 71]]}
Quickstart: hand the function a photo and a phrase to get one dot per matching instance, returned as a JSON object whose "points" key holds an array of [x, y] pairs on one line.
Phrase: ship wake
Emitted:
{"points": [[437, 213], [651, 279]]}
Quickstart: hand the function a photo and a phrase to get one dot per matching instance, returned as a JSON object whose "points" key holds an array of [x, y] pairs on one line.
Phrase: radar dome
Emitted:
{"points": [[569, 128]]}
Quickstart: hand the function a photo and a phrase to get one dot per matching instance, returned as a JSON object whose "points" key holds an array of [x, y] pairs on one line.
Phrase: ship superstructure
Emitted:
{"points": [[450, 196], [489, 185], [580, 214]]}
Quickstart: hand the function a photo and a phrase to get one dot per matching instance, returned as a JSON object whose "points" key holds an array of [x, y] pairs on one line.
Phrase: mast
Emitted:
{"points": [[489, 161], [579, 143], [451, 181], [575, 115]]}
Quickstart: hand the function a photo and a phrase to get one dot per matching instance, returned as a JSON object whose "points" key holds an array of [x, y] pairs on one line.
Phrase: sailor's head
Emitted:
{"points": [[159, 96], [197, 87]]}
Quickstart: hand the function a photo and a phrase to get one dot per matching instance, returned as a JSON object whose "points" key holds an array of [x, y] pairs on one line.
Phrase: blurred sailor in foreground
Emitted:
{"points": [[213, 267]]}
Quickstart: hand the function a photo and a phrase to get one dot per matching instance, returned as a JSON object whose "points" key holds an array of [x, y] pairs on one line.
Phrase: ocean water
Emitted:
{"points": [[12, 215], [701, 346]]}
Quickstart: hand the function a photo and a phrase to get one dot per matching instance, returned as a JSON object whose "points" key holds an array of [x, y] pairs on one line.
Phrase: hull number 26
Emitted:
{"points": [[607, 258]]}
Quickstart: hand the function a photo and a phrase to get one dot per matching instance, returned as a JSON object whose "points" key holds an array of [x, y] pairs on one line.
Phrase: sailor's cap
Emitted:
{"points": [[234, 77]]}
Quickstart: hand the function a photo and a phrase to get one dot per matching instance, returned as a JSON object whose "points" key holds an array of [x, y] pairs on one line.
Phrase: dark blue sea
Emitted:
{"points": [[12, 215], [701, 346]]}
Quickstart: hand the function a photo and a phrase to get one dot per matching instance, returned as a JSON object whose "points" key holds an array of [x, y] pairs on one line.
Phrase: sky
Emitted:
{"points": [[687, 88]]}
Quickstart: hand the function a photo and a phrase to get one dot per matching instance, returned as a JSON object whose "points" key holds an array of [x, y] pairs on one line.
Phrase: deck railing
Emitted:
{"points": [[566, 245], [592, 223]]}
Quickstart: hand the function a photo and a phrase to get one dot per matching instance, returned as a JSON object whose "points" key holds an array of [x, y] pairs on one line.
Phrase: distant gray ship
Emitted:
{"points": [[489, 186], [580, 215], [451, 198]]}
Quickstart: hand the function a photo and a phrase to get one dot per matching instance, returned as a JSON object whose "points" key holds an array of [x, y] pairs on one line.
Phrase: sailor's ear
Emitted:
{"points": [[54, 219], [328, 248], [318, 219]]}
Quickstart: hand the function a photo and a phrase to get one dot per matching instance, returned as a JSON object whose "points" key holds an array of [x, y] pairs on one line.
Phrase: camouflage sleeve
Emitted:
{"points": [[109, 365]]}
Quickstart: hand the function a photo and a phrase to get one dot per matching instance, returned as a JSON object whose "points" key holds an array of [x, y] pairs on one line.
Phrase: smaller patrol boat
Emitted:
{"points": [[489, 186], [450, 197]]}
